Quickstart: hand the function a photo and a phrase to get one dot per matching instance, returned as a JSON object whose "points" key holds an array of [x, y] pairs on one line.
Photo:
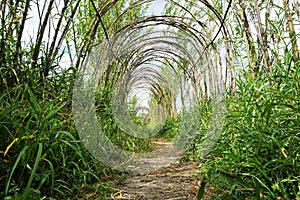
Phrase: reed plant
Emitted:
{"points": [[258, 154]]}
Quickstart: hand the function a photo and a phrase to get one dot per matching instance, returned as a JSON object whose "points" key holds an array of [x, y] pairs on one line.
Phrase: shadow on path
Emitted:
{"points": [[176, 181]]}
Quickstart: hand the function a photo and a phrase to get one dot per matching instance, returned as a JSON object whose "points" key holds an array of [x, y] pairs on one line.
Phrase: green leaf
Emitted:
{"points": [[14, 168], [36, 163], [54, 111], [33, 101], [201, 190]]}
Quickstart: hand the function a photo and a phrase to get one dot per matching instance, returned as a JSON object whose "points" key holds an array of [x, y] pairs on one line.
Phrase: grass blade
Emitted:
{"points": [[14, 167], [36, 163]]}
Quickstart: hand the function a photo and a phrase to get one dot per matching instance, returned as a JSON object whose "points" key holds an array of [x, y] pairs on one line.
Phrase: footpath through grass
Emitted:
{"points": [[257, 156]]}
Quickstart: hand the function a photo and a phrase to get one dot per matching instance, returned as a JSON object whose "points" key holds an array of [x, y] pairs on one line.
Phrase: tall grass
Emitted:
{"points": [[42, 151], [41, 155], [258, 155], [111, 128]]}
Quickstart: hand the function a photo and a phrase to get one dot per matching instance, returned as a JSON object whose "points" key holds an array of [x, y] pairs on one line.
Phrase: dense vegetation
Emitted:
{"points": [[255, 55], [258, 153]]}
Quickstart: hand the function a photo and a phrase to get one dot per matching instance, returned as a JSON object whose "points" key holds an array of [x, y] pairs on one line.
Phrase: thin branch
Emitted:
{"points": [[41, 34], [222, 25], [20, 32]]}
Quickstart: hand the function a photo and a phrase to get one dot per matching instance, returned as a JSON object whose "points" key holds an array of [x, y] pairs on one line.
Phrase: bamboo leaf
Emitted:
{"points": [[22, 152], [36, 163], [54, 111]]}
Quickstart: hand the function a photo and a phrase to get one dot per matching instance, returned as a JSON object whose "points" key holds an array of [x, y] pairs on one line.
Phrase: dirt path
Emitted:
{"points": [[176, 181]]}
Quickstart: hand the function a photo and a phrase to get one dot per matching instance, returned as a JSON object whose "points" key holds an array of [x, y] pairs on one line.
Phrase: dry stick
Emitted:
{"points": [[40, 35], [65, 29], [226, 43], [229, 61], [215, 59], [20, 33], [222, 25], [291, 31], [275, 51], [194, 18], [267, 18], [103, 11], [13, 17], [108, 41], [40, 13], [2, 54], [57, 28], [251, 53], [68, 45], [261, 36], [6, 32], [86, 42], [105, 32], [1, 5], [297, 3], [207, 4], [3, 82], [101, 22]]}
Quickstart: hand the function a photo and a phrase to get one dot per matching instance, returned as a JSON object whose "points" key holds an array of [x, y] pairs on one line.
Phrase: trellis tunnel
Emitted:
{"points": [[156, 66]]}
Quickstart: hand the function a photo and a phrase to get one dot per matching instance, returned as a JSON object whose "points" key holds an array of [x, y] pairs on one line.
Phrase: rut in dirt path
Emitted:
{"points": [[175, 181]]}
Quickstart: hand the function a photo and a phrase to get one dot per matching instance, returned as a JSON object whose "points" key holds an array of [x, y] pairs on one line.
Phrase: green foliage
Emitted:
{"points": [[205, 112], [170, 128], [43, 151], [258, 153], [111, 128], [41, 154]]}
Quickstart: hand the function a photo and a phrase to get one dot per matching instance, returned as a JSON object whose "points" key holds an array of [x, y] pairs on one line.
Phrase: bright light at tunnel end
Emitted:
{"points": [[178, 47]]}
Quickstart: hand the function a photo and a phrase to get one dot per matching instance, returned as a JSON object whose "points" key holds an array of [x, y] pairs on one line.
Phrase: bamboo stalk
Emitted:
{"points": [[40, 35], [261, 37], [291, 30], [20, 31]]}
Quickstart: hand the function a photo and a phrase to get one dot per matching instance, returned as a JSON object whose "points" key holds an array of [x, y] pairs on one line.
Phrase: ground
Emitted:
{"points": [[175, 181]]}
